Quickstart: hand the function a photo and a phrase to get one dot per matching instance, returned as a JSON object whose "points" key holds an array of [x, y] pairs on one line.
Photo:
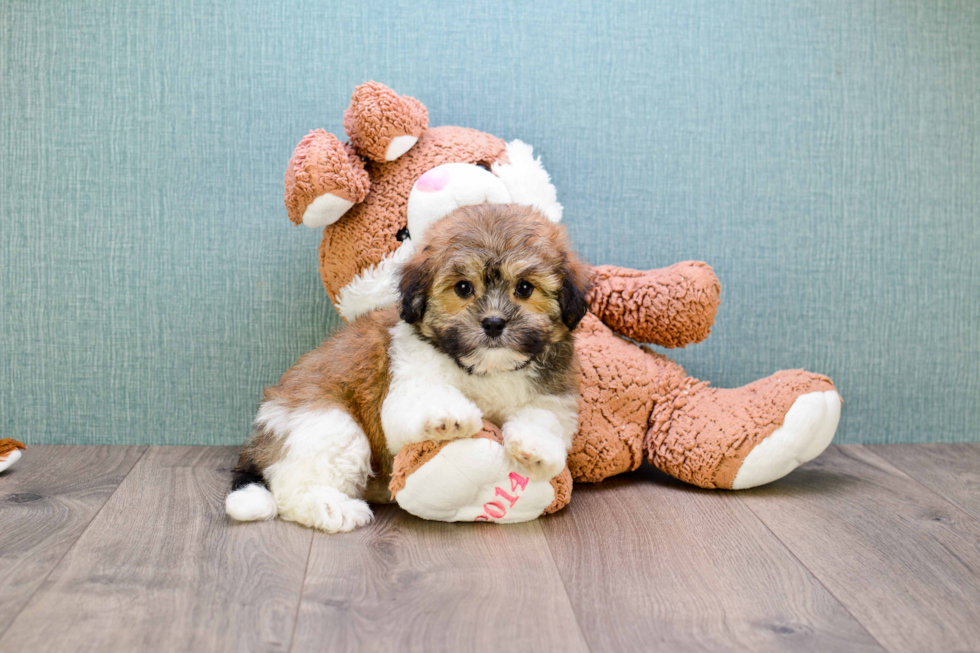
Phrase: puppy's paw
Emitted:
{"points": [[454, 421], [324, 508], [542, 454], [342, 514]]}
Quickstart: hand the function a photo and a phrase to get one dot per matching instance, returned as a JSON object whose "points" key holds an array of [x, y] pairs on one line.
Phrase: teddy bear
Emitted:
{"points": [[375, 195], [9, 452]]}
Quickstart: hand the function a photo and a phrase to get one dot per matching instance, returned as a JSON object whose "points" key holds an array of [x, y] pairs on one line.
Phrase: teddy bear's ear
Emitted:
{"points": [[324, 179], [383, 125]]}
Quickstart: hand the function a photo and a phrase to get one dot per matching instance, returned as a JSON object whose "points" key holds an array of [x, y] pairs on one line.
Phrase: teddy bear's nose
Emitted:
{"points": [[493, 326], [433, 181]]}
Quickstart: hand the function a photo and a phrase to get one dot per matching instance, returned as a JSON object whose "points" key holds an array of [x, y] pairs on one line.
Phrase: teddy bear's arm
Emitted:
{"points": [[671, 307]]}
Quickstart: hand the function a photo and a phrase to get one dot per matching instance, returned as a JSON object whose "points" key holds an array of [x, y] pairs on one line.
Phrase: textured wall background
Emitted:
{"points": [[822, 155]]}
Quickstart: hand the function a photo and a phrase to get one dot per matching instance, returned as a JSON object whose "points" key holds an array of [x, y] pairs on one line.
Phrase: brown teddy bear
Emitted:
{"points": [[376, 194]]}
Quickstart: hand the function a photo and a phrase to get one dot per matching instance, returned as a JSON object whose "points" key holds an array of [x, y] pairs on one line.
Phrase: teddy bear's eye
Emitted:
{"points": [[402, 234], [524, 289], [464, 288]]}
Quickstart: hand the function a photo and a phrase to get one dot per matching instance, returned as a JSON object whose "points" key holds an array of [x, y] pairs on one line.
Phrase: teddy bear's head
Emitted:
{"points": [[376, 195]]}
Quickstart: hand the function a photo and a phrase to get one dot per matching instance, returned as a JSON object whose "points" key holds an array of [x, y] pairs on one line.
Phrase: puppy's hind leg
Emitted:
{"points": [[322, 473]]}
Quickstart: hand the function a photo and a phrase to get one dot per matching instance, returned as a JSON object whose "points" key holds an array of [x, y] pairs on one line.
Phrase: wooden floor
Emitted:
{"points": [[128, 549]]}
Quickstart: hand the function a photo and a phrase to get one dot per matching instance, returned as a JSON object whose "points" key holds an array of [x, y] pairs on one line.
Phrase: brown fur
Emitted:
{"points": [[349, 371]]}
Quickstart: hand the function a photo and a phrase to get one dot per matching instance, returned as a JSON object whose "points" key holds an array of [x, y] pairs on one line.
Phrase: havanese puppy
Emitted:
{"points": [[489, 300]]}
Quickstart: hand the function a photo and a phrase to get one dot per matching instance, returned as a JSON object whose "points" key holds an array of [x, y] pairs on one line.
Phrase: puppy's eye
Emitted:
{"points": [[524, 289], [402, 234], [464, 288]]}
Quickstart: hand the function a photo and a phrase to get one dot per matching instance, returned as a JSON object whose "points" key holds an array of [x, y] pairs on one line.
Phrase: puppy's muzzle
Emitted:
{"points": [[493, 326]]}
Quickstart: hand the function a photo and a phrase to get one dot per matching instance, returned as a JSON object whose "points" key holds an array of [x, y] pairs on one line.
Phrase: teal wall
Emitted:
{"points": [[822, 155]]}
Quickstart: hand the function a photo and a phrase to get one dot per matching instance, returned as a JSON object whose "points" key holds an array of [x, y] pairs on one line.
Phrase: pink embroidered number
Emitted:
{"points": [[516, 481], [496, 509]]}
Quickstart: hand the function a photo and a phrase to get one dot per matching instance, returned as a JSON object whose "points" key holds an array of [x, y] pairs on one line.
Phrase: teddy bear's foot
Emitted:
{"points": [[808, 428], [9, 452], [473, 480], [745, 437], [324, 179]]}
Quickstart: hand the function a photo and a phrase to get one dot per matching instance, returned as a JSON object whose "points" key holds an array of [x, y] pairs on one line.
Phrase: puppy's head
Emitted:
{"points": [[494, 286]]}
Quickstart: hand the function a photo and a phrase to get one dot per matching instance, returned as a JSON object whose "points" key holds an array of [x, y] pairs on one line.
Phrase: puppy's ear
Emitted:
{"points": [[574, 292], [413, 285]]}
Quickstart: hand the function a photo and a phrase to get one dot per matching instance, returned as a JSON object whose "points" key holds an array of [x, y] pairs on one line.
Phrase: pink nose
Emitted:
{"points": [[433, 181]]}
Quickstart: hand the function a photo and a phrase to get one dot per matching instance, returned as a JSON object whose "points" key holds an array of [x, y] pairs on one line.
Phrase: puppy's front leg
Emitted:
{"points": [[415, 411], [539, 438]]}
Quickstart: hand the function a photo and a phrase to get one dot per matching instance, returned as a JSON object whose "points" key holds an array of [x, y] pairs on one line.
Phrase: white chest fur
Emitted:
{"points": [[498, 395]]}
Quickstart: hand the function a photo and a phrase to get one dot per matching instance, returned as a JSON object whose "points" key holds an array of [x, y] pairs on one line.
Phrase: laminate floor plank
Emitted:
{"points": [[651, 564], [950, 470], [902, 559], [46, 501], [162, 568], [404, 584]]}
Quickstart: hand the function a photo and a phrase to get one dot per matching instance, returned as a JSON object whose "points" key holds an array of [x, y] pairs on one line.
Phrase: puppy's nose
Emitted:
{"points": [[493, 326]]}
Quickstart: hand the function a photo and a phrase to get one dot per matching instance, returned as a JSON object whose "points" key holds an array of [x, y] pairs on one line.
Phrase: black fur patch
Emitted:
{"points": [[574, 302], [413, 285], [554, 367], [450, 342], [246, 475]]}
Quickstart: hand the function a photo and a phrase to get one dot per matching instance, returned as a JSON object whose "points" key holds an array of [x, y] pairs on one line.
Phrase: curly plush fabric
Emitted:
{"points": [[701, 434], [413, 456], [671, 307], [562, 485], [7, 445], [615, 403], [321, 164], [367, 232], [377, 114]]}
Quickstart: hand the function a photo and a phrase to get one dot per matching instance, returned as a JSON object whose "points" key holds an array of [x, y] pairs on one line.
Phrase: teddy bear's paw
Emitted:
{"points": [[543, 455], [475, 480], [452, 422], [807, 430]]}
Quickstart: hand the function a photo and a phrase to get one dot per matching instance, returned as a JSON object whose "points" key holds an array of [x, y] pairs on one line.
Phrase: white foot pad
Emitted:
{"points": [[325, 210], [474, 480], [11, 458], [807, 430], [399, 145]]}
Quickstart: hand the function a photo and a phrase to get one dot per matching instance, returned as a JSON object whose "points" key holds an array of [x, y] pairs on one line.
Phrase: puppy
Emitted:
{"points": [[489, 300]]}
